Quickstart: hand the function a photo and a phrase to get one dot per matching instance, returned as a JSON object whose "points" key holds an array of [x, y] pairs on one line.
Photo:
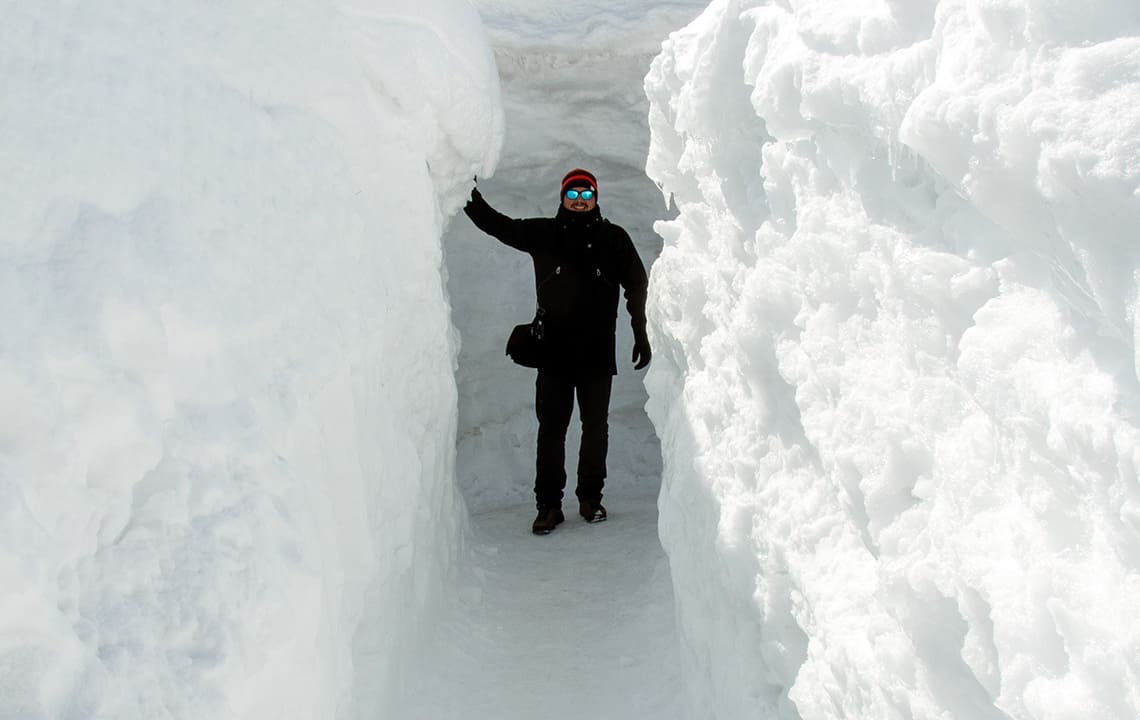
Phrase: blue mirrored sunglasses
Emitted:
{"points": [[574, 194]]}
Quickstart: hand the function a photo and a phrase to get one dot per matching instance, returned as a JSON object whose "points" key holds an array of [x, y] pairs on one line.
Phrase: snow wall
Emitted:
{"points": [[226, 360], [895, 373]]}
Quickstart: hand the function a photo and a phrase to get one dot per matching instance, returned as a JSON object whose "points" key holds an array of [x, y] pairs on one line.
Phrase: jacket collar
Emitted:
{"points": [[570, 220]]}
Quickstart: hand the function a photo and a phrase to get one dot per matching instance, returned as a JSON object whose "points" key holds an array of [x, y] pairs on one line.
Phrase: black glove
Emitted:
{"points": [[641, 352]]}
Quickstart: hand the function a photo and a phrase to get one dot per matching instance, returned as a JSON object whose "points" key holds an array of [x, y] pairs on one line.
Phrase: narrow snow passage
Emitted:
{"points": [[579, 623]]}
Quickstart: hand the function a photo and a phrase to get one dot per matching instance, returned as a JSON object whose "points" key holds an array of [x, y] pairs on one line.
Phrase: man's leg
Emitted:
{"points": [[553, 404], [594, 407]]}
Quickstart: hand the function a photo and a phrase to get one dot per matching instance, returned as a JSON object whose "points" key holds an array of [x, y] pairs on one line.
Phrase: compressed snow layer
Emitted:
{"points": [[226, 359], [896, 357]]}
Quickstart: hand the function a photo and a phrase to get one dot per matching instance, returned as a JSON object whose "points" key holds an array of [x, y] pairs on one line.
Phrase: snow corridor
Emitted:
{"points": [[262, 456]]}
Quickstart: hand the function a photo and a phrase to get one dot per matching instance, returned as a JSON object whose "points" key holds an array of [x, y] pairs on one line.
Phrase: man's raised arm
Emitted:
{"points": [[506, 230]]}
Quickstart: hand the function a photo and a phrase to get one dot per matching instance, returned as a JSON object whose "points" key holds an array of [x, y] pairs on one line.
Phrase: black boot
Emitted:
{"points": [[549, 516], [592, 511]]}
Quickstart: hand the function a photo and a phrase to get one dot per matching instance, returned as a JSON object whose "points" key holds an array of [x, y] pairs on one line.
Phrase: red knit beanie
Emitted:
{"points": [[579, 178]]}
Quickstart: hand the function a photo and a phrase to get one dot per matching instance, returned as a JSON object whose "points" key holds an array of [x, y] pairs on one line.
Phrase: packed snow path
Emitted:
{"points": [[575, 624]]}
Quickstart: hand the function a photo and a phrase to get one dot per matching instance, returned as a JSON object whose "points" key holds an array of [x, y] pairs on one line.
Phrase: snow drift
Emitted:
{"points": [[226, 360], [896, 357]]}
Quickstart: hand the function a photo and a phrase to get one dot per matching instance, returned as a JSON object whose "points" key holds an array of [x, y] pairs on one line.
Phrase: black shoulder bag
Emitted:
{"points": [[527, 344]]}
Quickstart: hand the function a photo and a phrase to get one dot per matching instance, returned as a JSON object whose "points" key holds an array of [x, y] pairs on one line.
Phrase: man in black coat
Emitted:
{"points": [[580, 261]]}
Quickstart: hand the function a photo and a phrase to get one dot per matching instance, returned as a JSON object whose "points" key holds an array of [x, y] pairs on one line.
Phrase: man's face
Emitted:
{"points": [[573, 199]]}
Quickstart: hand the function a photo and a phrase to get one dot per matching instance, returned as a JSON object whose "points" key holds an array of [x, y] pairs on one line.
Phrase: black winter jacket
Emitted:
{"points": [[580, 261]]}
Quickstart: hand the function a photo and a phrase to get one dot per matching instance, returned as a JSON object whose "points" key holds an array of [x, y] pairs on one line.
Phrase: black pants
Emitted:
{"points": [[554, 403]]}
